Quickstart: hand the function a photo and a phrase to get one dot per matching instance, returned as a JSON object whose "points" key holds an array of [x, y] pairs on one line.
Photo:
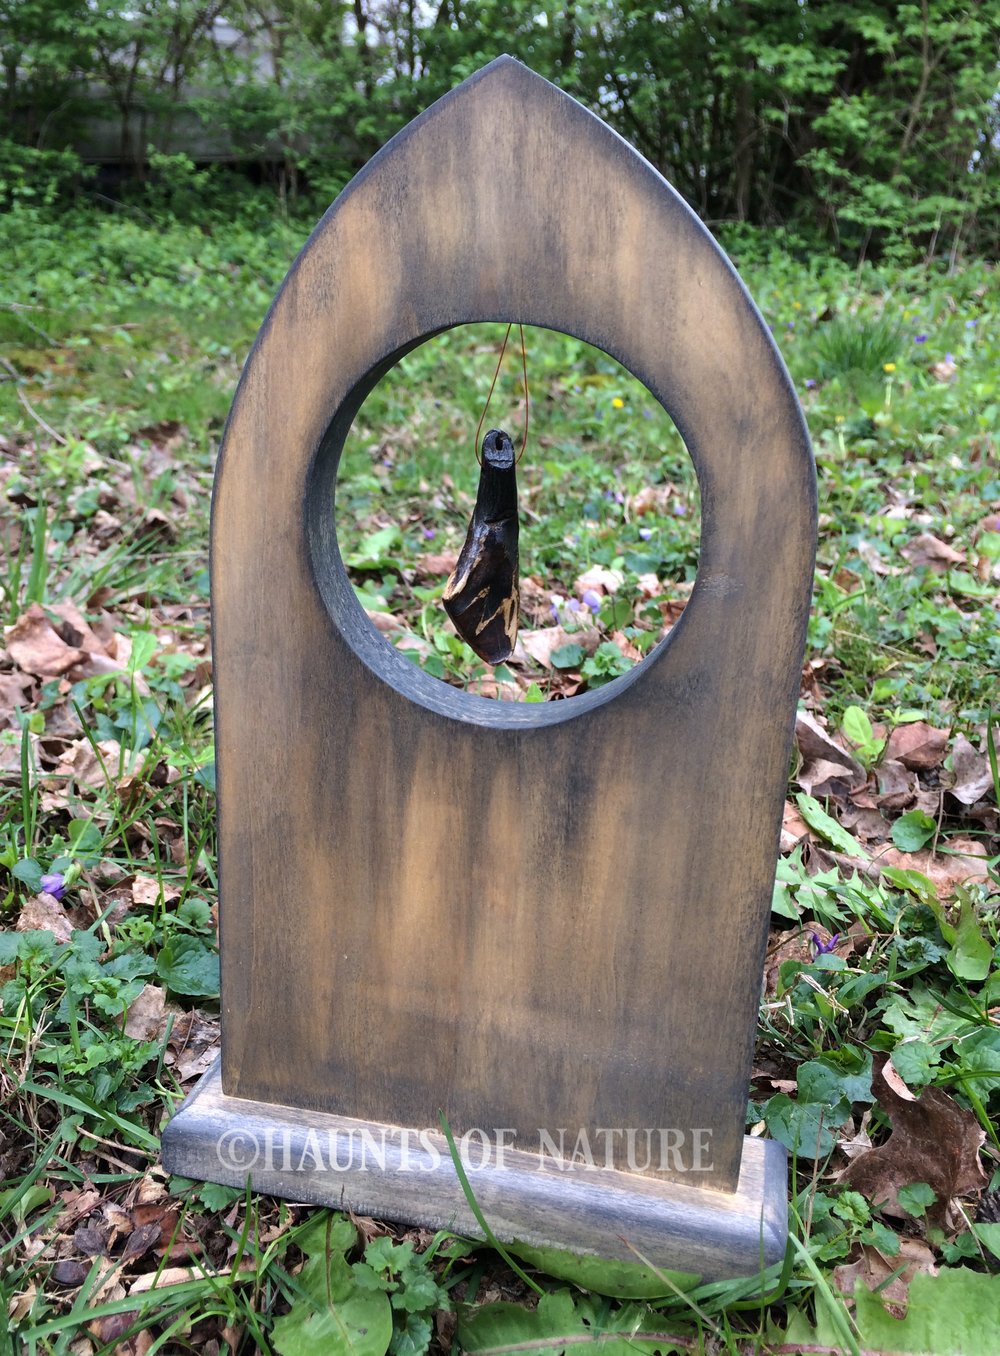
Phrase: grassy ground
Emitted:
{"points": [[878, 1059]]}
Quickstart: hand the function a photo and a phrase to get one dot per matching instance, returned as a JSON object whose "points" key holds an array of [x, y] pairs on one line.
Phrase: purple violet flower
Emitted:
{"points": [[645, 533], [53, 884], [920, 339], [810, 383], [971, 324], [593, 600], [429, 534], [822, 948]]}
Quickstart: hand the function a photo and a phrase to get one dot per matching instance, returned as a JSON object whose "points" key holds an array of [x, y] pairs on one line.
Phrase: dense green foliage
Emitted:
{"points": [[121, 340], [863, 124]]}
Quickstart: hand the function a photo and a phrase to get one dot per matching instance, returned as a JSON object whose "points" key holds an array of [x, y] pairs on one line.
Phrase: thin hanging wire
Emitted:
{"points": [[524, 370]]}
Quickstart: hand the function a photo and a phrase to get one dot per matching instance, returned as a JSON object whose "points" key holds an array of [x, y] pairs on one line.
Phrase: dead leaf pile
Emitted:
{"points": [[933, 1140], [920, 768], [890, 1275]]}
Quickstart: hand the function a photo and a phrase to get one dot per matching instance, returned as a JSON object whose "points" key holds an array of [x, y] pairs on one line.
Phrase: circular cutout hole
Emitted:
{"points": [[609, 510]]}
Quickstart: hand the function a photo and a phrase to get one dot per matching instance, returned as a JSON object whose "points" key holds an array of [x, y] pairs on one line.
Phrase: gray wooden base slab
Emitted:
{"points": [[408, 1175]]}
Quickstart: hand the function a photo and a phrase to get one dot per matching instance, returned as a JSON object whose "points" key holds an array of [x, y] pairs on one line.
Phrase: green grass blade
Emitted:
{"points": [[488, 1233]]}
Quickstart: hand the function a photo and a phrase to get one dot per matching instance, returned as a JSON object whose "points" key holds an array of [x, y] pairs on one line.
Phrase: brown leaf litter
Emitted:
{"points": [[933, 1140]]}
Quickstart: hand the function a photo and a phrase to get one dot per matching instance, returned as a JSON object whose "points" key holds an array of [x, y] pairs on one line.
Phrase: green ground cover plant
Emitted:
{"points": [[121, 340]]}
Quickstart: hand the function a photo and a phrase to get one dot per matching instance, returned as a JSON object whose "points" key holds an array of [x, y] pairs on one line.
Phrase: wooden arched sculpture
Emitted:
{"points": [[538, 918]]}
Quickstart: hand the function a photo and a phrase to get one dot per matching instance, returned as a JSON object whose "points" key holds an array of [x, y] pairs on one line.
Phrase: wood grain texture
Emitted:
{"points": [[532, 916], [381, 1171]]}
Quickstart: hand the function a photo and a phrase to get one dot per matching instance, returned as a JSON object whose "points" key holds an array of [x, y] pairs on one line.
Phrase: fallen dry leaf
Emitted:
{"points": [[536, 600], [114, 904], [933, 1140], [77, 630], [77, 1205], [651, 498], [672, 609], [965, 860], [91, 1240], [36, 646], [118, 1220], [873, 1270], [973, 777], [109, 1327], [46, 914], [895, 1081], [132, 790], [821, 778], [539, 645], [193, 1063], [853, 1145], [151, 1188], [89, 768], [104, 527], [788, 1085], [816, 742], [931, 551], [629, 650], [793, 827], [897, 785], [21, 1304], [108, 1287], [148, 1014], [142, 1343], [414, 644], [917, 746], [142, 1238], [435, 566], [155, 523], [194, 1044], [168, 1276], [600, 579], [828, 769], [163, 1213], [874, 559], [10, 757], [147, 890], [867, 824], [14, 690], [70, 1272]]}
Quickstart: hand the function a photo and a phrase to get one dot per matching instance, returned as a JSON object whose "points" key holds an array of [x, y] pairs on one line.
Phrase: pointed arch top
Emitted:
{"points": [[507, 200]]}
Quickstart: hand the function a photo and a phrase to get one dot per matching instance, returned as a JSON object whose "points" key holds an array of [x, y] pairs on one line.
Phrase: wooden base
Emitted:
{"points": [[408, 1176]]}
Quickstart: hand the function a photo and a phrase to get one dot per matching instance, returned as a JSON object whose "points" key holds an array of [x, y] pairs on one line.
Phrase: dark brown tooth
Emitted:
{"points": [[481, 595]]}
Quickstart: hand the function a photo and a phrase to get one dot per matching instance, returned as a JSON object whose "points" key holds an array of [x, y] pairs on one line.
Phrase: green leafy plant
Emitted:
{"points": [[126, 336], [858, 729], [383, 1303]]}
